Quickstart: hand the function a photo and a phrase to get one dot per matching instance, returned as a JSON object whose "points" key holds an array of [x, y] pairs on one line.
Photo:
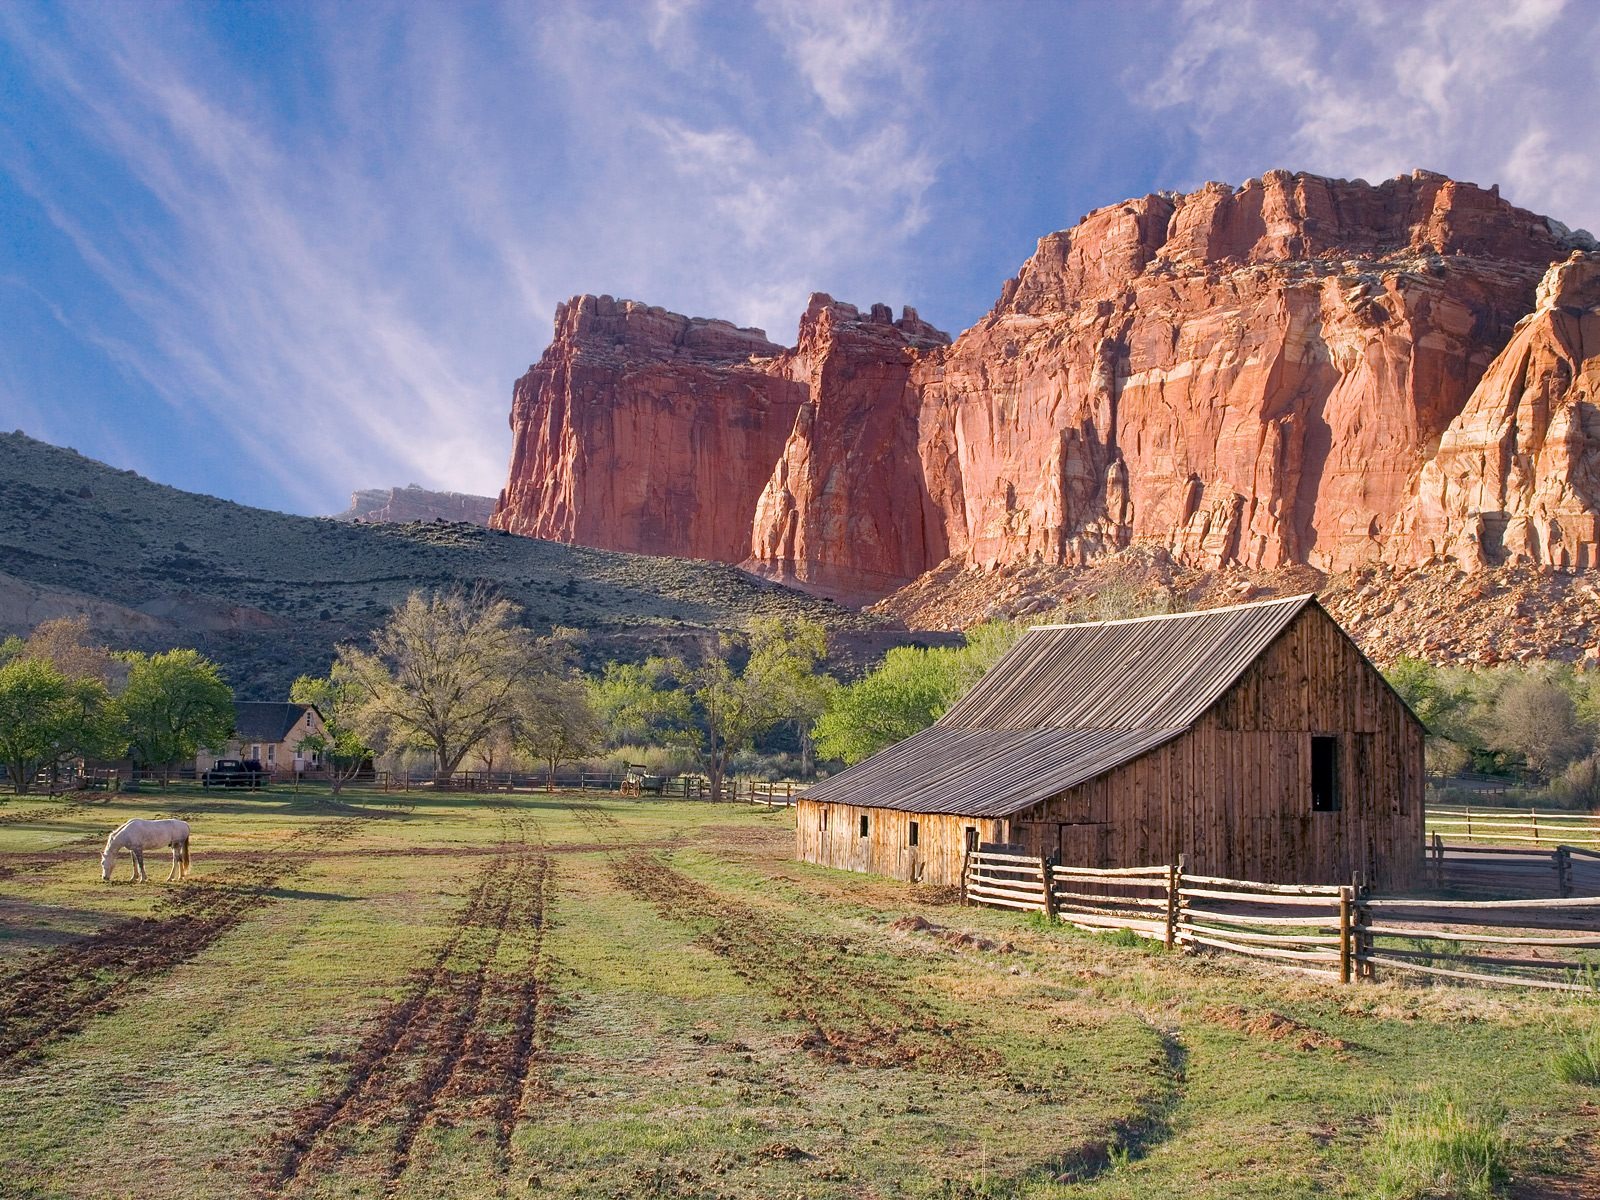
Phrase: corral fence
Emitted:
{"points": [[1337, 932], [1483, 871], [1472, 825], [779, 794]]}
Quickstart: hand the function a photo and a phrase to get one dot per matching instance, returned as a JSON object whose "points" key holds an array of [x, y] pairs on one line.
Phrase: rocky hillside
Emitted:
{"points": [[398, 506], [269, 594], [1299, 372]]}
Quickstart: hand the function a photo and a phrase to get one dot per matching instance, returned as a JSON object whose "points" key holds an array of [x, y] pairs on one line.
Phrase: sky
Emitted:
{"points": [[279, 251]]}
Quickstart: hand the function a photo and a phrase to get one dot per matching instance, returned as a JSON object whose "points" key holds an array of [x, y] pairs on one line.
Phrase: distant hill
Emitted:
{"points": [[268, 594], [413, 503]]}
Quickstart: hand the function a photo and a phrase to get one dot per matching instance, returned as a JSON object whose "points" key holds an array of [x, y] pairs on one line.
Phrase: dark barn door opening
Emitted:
{"points": [[1324, 774]]}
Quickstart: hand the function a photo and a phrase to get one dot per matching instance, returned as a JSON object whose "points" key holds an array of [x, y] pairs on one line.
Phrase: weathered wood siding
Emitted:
{"points": [[887, 849], [1233, 794]]}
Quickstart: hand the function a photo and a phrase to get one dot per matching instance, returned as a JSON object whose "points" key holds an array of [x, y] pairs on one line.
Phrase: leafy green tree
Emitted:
{"points": [[910, 690], [47, 718], [174, 703], [340, 745], [558, 722], [643, 702], [442, 676], [784, 673]]}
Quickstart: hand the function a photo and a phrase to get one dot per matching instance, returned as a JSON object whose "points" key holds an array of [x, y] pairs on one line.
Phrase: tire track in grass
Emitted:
{"points": [[53, 994], [464, 1034], [859, 1018]]}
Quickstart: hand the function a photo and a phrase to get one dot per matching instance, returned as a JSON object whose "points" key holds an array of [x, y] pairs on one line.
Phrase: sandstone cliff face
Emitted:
{"points": [[1259, 377], [397, 506], [647, 431], [845, 512], [1517, 475], [1246, 376]]}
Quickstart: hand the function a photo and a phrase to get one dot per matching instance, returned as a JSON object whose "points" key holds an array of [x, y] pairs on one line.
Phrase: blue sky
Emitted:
{"points": [[278, 251]]}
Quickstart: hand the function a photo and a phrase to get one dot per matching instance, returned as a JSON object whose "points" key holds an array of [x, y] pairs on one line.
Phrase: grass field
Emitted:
{"points": [[586, 996]]}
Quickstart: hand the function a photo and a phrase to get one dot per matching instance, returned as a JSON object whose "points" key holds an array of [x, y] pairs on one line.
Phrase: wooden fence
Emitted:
{"points": [[1336, 932], [1468, 824]]}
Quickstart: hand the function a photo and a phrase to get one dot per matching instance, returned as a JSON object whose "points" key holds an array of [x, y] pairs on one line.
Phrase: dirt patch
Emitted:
{"points": [[956, 939], [465, 1040], [1268, 1025]]}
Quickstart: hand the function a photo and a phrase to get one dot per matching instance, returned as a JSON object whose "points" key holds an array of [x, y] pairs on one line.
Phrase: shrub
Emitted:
{"points": [[1579, 1062], [1435, 1147]]}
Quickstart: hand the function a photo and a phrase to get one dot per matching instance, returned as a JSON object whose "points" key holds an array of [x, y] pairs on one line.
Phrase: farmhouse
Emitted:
{"points": [[269, 733], [1257, 741]]}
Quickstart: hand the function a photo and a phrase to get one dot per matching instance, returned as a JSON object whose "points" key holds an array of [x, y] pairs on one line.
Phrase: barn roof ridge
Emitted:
{"points": [[1299, 599]]}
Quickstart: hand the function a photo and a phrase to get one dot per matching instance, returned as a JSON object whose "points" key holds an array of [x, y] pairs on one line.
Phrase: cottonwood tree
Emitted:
{"points": [[784, 673], [174, 703], [67, 645], [442, 675], [340, 745], [47, 717]]}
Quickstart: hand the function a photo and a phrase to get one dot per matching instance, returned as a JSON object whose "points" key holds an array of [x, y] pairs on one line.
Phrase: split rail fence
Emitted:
{"points": [[1500, 825], [1342, 933]]}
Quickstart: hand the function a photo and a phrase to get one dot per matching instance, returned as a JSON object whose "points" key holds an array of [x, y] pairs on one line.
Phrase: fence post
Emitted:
{"points": [[1361, 918], [1534, 813], [1175, 901], [1049, 888], [1469, 822], [1563, 872], [1346, 955], [966, 869], [1438, 861]]}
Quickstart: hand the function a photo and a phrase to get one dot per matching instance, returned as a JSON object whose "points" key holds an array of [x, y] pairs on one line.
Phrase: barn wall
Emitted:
{"points": [[1234, 793], [936, 859]]}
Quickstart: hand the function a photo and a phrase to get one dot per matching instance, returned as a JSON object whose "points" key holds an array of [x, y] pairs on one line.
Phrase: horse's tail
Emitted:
{"points": [[185, 860]]}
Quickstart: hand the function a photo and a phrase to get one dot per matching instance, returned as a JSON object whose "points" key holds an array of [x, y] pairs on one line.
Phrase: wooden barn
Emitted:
{"points": [[1256, 740]]}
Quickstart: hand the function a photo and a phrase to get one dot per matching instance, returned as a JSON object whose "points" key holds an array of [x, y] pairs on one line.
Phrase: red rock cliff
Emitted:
{"points": [[647, 431], [1256, 376]]}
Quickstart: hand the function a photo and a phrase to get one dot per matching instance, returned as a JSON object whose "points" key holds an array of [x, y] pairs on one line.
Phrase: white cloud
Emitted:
{"points": [[1494, 91]]}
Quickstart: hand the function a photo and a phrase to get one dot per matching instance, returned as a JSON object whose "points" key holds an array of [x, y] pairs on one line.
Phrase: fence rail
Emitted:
{"points": [[1522, 825], [1335, 932]]}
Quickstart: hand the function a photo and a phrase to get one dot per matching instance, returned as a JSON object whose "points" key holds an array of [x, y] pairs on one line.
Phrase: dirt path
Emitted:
{"points": [[53, 994], [464, 1041]]}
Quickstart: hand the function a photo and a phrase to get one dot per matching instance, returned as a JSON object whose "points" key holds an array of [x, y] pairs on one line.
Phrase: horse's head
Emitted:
{"points": [[107, 858]]}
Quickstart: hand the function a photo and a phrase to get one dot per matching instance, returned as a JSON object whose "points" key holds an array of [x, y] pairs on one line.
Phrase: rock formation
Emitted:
{"points": [[397, 506], [647, 431], [1517, 475], [1259, 377]]}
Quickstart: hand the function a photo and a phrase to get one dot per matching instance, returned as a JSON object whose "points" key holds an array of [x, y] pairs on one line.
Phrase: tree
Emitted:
{"points": [[442, 675], [643, 702], [910, 690], [65, 643], [174, 703], [338, 702], [558, 723], [784, 672], [1536, 717], [47, 717]]}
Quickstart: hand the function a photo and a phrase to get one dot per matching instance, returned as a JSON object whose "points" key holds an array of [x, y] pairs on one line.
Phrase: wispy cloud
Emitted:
{"points": [[1496, 91]]}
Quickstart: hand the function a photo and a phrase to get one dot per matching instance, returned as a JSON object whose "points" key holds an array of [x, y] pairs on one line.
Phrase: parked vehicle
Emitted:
{"points": [[235, 773]]}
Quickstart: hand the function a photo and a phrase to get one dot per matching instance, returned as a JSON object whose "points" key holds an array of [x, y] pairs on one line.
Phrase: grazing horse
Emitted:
{"points": [[139, 835]]}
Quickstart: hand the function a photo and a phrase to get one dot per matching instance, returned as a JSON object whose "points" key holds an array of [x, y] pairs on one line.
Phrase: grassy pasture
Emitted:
{"points": [[586, 996]]}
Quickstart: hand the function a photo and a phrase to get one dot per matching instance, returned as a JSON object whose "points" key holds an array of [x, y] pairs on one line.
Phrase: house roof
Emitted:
{"points": [[260, 721], [1066, 704]]}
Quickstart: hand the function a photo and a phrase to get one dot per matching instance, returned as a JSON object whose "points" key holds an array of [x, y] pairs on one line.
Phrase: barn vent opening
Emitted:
{"points": [[863, 825], [822, 819], [912, 840], [972, 840], [1324, 774]]}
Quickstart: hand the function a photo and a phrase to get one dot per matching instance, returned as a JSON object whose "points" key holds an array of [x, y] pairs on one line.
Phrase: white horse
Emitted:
{"points": [[139, 835]]}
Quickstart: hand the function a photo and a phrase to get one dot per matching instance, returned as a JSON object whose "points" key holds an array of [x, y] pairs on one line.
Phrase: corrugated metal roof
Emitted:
{"points": [[984, 772], [1147, 673], [1067, 703]]}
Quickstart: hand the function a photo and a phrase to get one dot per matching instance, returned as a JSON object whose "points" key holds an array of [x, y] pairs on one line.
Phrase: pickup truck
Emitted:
{"points": [[234, 773]]}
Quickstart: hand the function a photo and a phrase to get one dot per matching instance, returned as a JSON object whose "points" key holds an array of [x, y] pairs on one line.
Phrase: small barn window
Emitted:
{"points": [[822, 819], [972, 839], [863, 824], [1324, 774], [912, 836]]}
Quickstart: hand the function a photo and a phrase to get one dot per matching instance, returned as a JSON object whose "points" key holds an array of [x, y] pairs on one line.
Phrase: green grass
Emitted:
{"points": [[716, 1020], [1440, 1147], [1579, 1060]]}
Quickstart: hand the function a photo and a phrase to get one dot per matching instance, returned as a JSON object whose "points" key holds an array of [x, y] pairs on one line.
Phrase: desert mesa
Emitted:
{"points": [[1299, 370]]}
